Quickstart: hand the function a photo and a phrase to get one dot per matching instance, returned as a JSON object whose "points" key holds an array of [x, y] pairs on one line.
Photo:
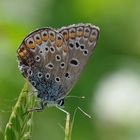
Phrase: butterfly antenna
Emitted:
{"points": [[61, 126], [79, 97], [84, 113], [73, 118]]}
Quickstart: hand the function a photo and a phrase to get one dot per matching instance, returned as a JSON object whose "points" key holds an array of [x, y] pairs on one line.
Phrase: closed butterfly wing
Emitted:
{"points": [[52, 60], [42, 57], [81, 40]]}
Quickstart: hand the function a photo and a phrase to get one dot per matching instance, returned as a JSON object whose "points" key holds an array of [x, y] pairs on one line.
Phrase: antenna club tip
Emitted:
{"points": [[83, 97]]}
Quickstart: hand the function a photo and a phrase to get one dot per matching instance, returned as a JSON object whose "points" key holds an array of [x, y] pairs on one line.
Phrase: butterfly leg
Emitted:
{"points": [[42, 106]]}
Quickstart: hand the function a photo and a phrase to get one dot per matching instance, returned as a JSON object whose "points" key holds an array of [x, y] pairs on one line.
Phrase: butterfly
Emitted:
{"points": [[52, 60]]}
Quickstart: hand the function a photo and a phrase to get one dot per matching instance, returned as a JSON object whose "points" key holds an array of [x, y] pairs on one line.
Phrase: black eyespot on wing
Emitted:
{"points": [[67, 75], [40, 75], [30, 42], [77, 45], [74, 62], [82, 47], [37, 37], [62, 64], [85, 52], [52, 49], [46, 49], [41, 51], [47, 75], [58, 57], [71, 45], [57, 79], [33, 83], [49, 66]]}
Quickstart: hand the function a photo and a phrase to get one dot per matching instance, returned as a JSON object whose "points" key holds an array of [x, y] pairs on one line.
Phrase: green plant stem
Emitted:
{"points": [[67, 127], [19, 126]]}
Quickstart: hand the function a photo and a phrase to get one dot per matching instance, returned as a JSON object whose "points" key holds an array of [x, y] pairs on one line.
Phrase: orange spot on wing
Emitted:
{"points": [[22, 53], [52, 37], [25, 51], [92, 38], [31, 46], [72, 35], [66, 36], [86, 34], [44, 38], [59, 42], [38, 41], [65, 48], [30, 43], [80, 33]]}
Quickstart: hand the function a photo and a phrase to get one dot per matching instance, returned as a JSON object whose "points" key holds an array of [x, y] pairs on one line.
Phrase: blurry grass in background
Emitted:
{"points": [[110, 81]]}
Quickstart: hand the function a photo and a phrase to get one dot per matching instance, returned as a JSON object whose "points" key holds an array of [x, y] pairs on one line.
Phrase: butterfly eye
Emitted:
{"points": [[61, 103], [37, 39], [44, 36], [30, 43]]}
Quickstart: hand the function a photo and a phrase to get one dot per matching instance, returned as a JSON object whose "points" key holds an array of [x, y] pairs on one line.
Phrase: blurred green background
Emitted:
{"points": [[110, 81]]}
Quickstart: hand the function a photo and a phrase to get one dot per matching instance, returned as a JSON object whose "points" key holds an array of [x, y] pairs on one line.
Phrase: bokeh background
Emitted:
{"points": [[110, 81]]}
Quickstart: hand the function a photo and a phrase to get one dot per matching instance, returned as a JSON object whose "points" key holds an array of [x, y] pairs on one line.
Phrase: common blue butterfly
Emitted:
{"points": [[52, 60]]}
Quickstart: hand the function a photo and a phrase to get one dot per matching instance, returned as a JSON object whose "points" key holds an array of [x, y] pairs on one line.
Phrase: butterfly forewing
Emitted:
{"points": [[81, 40], [43, 56]]}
